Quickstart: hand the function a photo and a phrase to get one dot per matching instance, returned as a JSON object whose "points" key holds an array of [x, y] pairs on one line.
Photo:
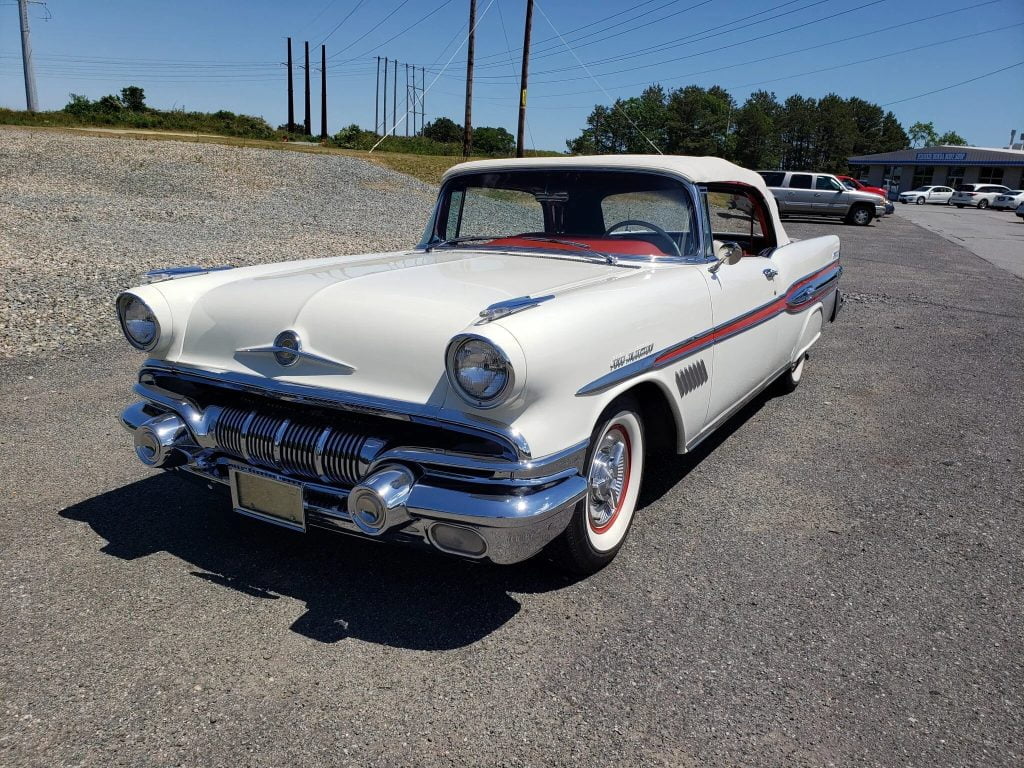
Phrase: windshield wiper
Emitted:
{"points": [[466, 239], [583, 246]]}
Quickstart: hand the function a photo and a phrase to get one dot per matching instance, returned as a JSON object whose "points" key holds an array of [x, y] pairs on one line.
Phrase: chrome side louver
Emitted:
{"points": [[691, 377]]}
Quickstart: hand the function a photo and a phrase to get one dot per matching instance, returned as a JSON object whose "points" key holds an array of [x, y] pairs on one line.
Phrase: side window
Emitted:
{"points": [[733, 215], [828, 183], [800, 181], [773, 178]]}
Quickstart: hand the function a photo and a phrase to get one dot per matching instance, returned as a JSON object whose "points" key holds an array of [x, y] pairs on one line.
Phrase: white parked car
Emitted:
{"points": [[1020, 210], [928, 194], [977, 195], [1009, 201], [498, 388]]}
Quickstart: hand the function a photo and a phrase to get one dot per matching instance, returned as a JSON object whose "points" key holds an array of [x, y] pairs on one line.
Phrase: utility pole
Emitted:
{"points": [[407, 101], [467, 136], [520, 140], [384, 124], [306, 123], [376, 101], [394, 102], [423, 98], [26, 60], [323, 92], [291, 92]]}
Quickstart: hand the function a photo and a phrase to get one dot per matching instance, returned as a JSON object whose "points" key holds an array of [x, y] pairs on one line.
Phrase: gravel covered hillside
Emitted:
{"points": [[82, 217]]}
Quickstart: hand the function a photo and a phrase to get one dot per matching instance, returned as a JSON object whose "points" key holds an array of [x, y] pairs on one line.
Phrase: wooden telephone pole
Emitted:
{"points": [[520, 140], [467, 136], [291, 91], [306, 123], [323, 91]]}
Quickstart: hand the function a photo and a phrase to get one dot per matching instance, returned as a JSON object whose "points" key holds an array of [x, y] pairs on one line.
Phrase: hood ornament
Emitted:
{"points": [[287, 351]]}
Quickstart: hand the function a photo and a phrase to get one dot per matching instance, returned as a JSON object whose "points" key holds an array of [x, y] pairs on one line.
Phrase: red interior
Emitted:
{"points": [[604, 244]]}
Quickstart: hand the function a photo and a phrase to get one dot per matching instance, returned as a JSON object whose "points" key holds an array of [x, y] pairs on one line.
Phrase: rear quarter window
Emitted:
{"points": [[773, 178], [800, 181]]}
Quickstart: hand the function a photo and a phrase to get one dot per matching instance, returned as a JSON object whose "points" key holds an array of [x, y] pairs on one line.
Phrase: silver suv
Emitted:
{"points": [[822, 194]]}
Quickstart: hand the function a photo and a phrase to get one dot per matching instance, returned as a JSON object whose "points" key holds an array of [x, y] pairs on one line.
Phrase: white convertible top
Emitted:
{"points": [[699, 170]]}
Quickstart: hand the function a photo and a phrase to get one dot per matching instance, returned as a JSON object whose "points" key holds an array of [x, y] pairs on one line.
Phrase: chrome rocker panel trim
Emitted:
{"points": [[345, 401]]}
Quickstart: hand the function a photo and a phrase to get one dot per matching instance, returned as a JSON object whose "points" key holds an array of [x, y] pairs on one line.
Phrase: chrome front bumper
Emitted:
{"points": [[477, 507]]}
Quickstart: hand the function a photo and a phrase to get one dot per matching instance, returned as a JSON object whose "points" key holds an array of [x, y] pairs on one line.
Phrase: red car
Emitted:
{"points": [[852, 183]]}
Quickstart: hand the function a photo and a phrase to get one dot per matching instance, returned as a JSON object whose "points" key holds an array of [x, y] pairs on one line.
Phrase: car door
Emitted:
{"points": [[830, 196], [746, 342], [799, 193], [940, 195]]}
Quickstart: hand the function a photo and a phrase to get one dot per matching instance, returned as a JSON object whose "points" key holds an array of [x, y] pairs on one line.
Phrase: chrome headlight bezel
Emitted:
{"points": [[499, 397], [124, 302]]}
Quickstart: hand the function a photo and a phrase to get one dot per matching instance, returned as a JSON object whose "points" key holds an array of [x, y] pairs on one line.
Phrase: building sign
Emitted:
{"points": [[941, 156]]}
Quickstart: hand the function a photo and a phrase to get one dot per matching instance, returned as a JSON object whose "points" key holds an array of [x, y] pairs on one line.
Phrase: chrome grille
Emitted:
{"points": [[316, 452]]}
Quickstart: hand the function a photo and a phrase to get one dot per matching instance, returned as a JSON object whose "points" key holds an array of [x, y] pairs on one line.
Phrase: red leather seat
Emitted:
{"points": [[638, 247]]}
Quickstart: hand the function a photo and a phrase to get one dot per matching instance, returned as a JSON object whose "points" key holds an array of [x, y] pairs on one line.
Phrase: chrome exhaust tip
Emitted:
{"points": [[378, 502], [156, 439]]}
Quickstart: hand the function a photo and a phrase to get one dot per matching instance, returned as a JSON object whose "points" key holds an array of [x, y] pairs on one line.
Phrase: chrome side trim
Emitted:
{"points": [[339, 400], [510, 307], [175, 273]]}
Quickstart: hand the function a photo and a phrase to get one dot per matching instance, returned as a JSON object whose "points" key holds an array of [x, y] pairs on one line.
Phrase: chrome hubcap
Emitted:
{"points": [[609, 469]]}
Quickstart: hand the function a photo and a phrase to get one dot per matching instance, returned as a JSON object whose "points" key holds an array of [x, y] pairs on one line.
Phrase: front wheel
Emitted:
{"points": [[601, 521], [861, 216], [959, 206], [920, 201], [982, 205]]}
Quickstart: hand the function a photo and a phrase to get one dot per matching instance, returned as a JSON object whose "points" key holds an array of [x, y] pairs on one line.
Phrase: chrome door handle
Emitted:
{"points": [[770, 273]]}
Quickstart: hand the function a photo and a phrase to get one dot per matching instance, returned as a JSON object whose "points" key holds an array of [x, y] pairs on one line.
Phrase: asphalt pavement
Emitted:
{"points": [[996, 236], [833, 579]]}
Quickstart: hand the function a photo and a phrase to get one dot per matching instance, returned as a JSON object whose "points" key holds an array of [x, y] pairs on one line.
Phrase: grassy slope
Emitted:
{"points": [[428, 168]]}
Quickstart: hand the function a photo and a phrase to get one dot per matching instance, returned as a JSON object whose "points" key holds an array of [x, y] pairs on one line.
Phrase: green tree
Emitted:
{"points": [[892, 136], [952, 138], [626, 126], [923, 134], [756, 137], [78, 105], [493, 141], [836, 134], [109, 104], [698, 121], [798, 132], [443, 129], [133, 98]]}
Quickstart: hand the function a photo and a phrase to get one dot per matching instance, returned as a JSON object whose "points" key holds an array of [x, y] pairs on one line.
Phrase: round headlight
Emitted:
{"points": [[479, 371], [138, 322]]}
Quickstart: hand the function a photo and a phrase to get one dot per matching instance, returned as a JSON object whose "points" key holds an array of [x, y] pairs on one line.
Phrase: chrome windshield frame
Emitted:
{"points": [[696, 199]]}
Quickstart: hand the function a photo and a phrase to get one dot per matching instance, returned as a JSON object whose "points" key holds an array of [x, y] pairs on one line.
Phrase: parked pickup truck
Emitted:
{"points": [[822, 194]]}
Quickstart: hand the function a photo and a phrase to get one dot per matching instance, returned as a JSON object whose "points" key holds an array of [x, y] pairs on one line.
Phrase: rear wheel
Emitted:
{"points": [[614, 467], [959, 206], [861, 215], [790, 380], [982, 205], [920, 201]]}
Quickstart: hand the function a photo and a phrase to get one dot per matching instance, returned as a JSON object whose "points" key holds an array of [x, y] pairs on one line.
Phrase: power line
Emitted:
{"points": [[370, 30], [337, 26], [399, 34], [954, 85], [763, 59]]}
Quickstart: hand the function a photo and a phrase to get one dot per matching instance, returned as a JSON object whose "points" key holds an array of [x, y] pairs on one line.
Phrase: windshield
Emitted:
{"points": [[599, 211]]}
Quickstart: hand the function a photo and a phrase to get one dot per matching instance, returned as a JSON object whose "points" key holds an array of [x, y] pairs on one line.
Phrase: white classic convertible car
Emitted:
{"points": [[495, 390]]}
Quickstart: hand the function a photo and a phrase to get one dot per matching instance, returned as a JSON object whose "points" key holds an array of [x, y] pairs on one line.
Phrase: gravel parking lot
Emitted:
{"points": [[835, 579]]}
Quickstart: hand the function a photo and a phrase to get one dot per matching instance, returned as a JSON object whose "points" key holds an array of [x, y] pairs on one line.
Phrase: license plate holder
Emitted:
{"points": [[268, 498]]}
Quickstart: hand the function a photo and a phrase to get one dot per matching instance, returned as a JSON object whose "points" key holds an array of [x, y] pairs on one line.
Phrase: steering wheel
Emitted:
{"points": [[653, 227]]}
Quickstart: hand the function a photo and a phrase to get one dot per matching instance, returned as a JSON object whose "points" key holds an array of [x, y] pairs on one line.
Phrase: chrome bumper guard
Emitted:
{"points": [[472, 506]]}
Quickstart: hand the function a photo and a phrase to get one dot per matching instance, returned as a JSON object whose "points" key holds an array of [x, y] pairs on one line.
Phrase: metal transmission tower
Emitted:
{"points": [[520, 142], [31, 99]]}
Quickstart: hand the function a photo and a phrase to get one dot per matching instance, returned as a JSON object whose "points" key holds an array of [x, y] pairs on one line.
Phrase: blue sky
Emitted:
{"points": [[229, 55]]}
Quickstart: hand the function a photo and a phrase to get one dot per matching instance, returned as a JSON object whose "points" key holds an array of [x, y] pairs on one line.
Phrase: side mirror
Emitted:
{"points": [[730, 253]]}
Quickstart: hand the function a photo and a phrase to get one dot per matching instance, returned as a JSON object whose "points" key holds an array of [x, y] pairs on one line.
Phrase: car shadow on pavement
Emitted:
{"points": [[391, 595]]}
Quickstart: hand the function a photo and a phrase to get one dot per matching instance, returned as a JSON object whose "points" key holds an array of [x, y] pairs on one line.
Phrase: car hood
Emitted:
{"points": [[376, 324]]}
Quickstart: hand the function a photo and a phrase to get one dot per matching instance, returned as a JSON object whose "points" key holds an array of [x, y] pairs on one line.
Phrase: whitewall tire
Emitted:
{"points": [[790, 380], [614, 468]]}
